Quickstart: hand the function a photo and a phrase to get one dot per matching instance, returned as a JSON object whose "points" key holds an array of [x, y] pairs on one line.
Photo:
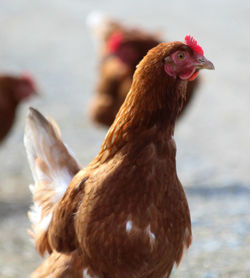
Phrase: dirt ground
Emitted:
{"points": [[49, 38]]}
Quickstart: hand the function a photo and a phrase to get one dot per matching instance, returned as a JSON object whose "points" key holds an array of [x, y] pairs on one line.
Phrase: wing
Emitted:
{"points": [[61, 232], [52, 166]]}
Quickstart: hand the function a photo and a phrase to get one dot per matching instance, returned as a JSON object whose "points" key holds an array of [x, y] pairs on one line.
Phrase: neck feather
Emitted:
{"points": [[154, 101]]}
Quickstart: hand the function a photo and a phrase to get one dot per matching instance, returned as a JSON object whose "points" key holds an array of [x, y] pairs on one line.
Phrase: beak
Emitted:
{"points": [[38, 92], [203, 63]]}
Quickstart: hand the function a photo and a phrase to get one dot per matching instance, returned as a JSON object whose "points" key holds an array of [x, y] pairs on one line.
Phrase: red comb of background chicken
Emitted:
{"points": [[115, 41], [190, 41], [28, 78]]}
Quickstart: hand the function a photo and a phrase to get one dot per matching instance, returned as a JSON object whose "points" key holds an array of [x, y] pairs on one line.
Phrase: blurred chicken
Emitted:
{"points": [[121, 49], [13, 90], [125, 214]]}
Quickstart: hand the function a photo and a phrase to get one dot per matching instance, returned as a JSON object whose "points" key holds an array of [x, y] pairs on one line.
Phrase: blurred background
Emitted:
{"points": [[50, 39]]}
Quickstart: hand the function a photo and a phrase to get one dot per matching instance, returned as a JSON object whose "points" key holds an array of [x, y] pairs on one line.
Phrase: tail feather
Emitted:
{"points": [[52, 166], [100, 24], [59, 265]]}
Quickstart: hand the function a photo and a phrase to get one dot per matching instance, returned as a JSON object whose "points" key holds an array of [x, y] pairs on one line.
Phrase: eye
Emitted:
{"points": [[181, 56]]}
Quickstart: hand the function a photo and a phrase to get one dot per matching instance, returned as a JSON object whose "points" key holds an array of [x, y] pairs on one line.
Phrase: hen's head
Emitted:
{"points": [[157, 93], [18, 88], [130, 46], [181, 60], [26, 87]]}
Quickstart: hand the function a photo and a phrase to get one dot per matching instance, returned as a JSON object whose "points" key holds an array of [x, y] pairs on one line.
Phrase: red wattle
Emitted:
{"points": [[193, 76]]}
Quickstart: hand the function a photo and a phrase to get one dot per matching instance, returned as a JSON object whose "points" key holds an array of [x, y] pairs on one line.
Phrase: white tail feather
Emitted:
{"points": [[95, 19], [100, 24], [53, 167]]}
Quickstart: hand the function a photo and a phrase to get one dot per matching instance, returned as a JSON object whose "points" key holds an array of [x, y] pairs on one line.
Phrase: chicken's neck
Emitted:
{"points": [[148, 104]]}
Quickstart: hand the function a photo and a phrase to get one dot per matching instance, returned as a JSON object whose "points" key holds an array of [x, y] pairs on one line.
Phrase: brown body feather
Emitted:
{"points": [[126, 213]]}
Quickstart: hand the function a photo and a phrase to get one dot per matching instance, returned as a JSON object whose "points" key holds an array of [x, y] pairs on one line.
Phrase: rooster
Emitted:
{"points": [[13, 90], [125, 214], [121, 49]]}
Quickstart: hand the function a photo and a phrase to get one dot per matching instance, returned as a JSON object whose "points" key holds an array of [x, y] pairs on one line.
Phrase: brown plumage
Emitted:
{"points": [[13, 90], [60, 265], [121, 50], [125, 214]]}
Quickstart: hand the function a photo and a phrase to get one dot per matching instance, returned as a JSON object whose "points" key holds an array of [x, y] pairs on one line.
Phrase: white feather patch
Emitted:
{"points": [[61, 180], [86, 275], [44, 224], [151, 235], [129, 226], [35, 214]]}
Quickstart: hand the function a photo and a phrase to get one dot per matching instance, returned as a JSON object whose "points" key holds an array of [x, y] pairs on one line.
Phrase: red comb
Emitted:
{"points": [[28, 78], [115, 41], [191, 42]]}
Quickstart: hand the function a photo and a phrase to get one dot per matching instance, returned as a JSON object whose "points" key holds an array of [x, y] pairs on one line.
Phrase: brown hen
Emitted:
{"points": [[125, 214], [13, 90], [121, 49]]}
